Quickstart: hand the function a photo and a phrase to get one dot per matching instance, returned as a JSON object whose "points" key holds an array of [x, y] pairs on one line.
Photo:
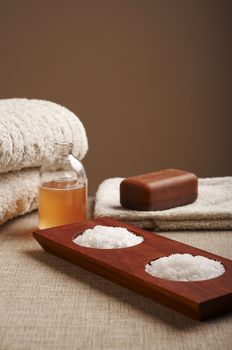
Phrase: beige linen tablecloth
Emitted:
{"points": [[48, 303]]}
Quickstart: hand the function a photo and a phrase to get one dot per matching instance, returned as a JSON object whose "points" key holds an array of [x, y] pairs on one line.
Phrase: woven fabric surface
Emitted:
{"points": [[48, 303]]}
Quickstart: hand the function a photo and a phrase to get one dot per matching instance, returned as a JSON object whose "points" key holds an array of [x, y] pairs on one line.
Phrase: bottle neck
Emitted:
{"points": [[62, 149]]}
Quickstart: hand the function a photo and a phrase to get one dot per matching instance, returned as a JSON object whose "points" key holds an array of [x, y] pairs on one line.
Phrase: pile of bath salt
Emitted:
{"points": [[107, 237], [185, 267]]}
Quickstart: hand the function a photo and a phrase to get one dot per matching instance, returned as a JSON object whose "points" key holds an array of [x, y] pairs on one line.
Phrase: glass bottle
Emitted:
{"points": [[63, 189]]}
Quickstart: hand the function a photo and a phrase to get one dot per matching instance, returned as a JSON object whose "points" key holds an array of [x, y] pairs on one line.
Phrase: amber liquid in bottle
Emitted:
{"points": [[61, 202]]}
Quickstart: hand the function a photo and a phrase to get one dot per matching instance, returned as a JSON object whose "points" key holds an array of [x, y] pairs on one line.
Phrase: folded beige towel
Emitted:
{"points": [[18, 193], [29, 129], [212, 210], [28, 132]]}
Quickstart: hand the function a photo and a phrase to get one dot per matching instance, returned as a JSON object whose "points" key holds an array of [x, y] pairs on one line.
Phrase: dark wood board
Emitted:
{"points": [[199, 300]]}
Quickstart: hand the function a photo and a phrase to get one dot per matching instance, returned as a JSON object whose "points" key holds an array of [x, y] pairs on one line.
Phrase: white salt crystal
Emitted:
{"points": [[185, 267], [107, 237]]}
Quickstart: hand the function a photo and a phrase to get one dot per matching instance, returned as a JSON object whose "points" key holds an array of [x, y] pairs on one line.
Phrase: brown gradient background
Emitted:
{"points": [[151, 80]]}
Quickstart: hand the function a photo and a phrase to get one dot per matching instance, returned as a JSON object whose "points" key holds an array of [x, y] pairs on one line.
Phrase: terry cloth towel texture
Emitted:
{"points": [[30, 128], [18, 193], [28, 131], [212, 210]]}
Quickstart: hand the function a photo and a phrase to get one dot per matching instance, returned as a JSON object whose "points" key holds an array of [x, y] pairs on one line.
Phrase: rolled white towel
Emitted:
{"points": [[18, 193], [29, 129]]}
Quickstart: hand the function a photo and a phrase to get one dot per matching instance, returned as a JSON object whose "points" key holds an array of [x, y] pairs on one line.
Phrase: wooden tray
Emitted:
{"points": [[199, 300]]}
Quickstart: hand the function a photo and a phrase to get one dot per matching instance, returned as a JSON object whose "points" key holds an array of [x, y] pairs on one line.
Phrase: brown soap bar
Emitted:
{"points": [[159, 190]]}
